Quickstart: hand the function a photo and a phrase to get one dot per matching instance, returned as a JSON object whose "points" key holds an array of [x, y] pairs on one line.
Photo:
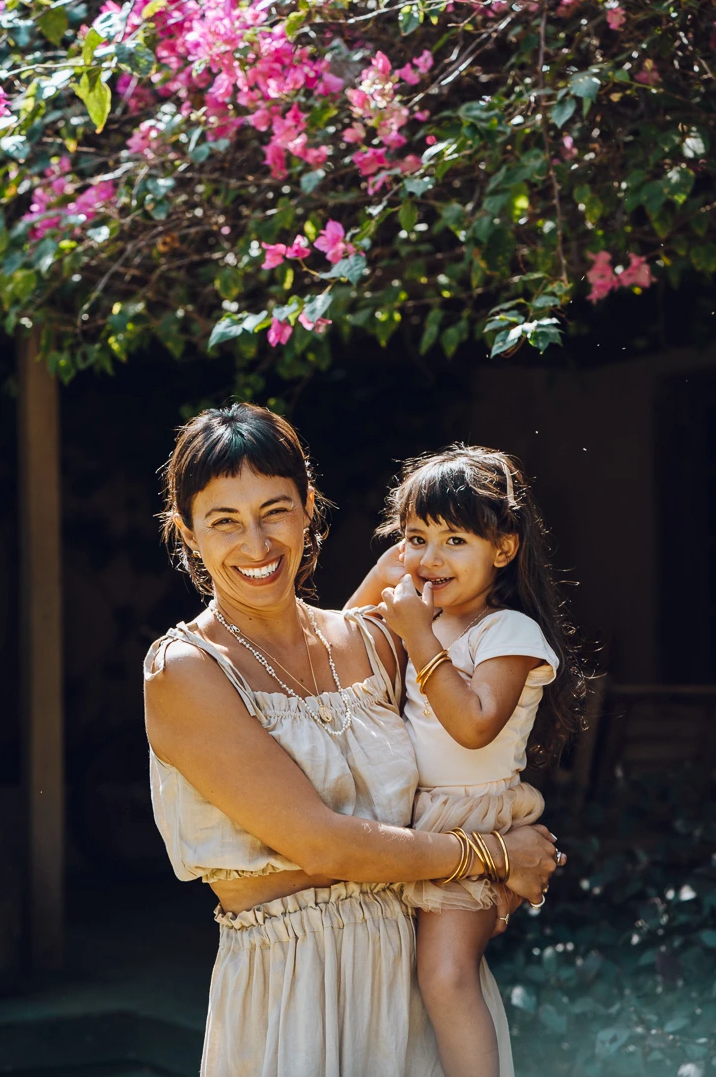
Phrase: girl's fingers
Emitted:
{"points": [[427, 596], [382, 609]]}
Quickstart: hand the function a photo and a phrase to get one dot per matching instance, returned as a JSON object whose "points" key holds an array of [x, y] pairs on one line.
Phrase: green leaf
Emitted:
{"points": [[53, 23], [453, 337], [545, 301], [228, 282], [100, 234], [678, 183], [408, 215], [410, 18], [90, 43], [610, 1040], [23, 284], [310, 180], [293, 23], [653, 196], [351, 268], [136, 57], [552, 1019], [418, 187], [432, 328], [584, 84], [563, 110], [160, 186], [16, 146], [523, 998], [150, 9], [315, 306], [97, 98], [226, 329]]}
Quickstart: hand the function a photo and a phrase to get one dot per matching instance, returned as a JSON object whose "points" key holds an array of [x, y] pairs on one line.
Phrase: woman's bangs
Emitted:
{"points": [[232, 448]]}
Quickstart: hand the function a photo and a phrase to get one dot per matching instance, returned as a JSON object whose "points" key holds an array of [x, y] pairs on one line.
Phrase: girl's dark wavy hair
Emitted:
{"points": [[219, 442], [472, 488]]}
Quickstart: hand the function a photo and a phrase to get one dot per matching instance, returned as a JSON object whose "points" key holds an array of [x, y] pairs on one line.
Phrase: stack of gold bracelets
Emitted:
{"points": [[475, 845], [427, 671]]}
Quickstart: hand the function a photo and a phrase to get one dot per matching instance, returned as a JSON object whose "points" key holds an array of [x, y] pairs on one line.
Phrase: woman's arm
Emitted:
{"points": [[196, 722], [473, 714], [386, 572]]}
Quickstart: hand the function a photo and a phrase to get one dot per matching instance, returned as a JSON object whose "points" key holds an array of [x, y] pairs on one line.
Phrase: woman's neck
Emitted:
{"points": [[281, 623]]}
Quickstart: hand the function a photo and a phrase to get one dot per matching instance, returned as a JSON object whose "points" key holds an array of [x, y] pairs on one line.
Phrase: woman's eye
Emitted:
{"points": [[277, 512], [223, 520]]}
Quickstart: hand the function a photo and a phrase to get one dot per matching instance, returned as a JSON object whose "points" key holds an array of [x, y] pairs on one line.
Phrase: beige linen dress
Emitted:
{"points": [[320, 983]]}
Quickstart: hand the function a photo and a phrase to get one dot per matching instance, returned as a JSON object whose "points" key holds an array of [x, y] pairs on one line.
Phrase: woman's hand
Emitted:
{"points": [[533, 859], [507, 904], [405, 611]]}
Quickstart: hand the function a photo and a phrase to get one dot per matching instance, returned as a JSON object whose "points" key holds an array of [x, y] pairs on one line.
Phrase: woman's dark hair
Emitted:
{"points": [[475, 489], [218, 443]]}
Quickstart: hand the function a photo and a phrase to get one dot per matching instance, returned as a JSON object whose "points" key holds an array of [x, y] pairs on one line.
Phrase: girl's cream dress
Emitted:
{"points": [[320, 983], [477, 789]]}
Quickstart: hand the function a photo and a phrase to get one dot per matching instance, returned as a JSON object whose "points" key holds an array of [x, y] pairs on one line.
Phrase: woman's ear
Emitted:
{"points": [[186, 533], [310, 506], [506, 550]]}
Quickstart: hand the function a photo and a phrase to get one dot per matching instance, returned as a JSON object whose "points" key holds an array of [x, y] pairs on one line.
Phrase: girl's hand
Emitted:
{"points": [[386, 572], [405, 611], [533, 859], [389, 568]]}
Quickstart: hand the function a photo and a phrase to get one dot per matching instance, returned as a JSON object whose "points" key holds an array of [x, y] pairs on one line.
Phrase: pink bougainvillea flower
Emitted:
{"points": [[601, 276], [315, 156], [431, 140], [381, 63], [141, 140], [275, 254], [279, 332], [369, 161], [4, 110], [261, 119], [567, 7], [331, 83], [354, 133], [332, 242], [424, 62], [409, 74], [616, 17], [569, 150], [394, 140], [319, 326], [422, 115], [375, 183], [410, 163], [300, 248], [637, 274], [275, 157], [649, 74]]}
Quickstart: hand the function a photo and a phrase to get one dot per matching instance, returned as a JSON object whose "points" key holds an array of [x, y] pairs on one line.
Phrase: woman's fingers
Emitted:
{"points": [[506, 905], [542, 829]]}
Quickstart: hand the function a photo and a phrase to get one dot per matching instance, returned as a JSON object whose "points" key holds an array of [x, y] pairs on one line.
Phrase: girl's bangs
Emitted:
{"points": [[444, 492]]}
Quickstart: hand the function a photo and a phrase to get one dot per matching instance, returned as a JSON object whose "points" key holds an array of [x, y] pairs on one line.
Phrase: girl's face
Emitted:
{"points": [[249, 531], [460, 565]]}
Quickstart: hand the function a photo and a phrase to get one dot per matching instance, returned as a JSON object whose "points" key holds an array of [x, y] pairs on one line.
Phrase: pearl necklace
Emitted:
{"points": [[324, 715]]}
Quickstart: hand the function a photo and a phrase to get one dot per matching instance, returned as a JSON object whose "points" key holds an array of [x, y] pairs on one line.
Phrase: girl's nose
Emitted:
{"points": [[431, 556]]}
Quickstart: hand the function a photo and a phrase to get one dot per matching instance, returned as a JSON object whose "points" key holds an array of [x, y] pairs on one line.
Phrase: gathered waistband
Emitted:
{"points": [[310, 911]]}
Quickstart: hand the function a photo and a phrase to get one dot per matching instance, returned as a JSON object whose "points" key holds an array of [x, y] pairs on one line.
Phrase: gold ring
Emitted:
{"points": [[505, 918]]}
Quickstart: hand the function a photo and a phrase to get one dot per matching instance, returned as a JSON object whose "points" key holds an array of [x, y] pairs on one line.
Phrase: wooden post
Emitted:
{"points": [[41, 651]]}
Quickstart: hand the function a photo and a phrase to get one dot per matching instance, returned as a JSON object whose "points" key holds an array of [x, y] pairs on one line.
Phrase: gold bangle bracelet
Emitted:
{"points": [[464, 861], [490, 866], [428, 675], [429, 667], [479, 855], [505, 854]]}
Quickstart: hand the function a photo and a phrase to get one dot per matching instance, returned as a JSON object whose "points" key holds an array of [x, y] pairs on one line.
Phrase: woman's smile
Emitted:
{"points": [[259, 575]]}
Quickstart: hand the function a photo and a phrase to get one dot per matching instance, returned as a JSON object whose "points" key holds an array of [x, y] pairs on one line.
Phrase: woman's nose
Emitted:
{"points": [[254, 543]]}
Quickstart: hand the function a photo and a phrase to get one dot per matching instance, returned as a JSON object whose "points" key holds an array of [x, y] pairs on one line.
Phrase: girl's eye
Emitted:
{"points": [[415, 540], [456, 540]]}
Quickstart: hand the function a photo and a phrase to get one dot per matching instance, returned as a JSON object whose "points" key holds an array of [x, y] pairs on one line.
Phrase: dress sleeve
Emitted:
{"points": [[510, 632]]}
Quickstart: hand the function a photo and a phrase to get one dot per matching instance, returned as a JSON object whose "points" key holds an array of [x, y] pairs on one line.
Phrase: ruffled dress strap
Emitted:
{"points": [[393, 686], [154, 662]]}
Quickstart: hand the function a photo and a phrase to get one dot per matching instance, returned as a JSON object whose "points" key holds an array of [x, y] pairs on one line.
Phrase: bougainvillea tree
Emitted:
{"points": [[270, 178]]}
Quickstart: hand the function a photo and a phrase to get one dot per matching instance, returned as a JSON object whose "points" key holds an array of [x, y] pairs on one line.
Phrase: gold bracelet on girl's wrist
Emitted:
{"points": [[429, 668]]}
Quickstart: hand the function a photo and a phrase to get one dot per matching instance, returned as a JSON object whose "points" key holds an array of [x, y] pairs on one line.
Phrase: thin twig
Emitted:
{"points": [[548, 146]]}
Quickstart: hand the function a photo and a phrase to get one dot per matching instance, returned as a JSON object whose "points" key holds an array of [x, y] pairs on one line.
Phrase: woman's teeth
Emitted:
{"points": [[260, 573]]}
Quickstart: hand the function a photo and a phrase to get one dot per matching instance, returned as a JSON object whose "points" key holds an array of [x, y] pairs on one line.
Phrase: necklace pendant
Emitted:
{"points": [[426, 709], [324, 713]]}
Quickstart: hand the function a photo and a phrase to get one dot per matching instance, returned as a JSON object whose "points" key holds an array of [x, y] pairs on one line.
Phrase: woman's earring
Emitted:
{"points": [[196, 554]]}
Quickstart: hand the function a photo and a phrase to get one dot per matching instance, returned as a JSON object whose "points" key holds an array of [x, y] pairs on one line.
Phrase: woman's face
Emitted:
{"points": [[249, 531]]}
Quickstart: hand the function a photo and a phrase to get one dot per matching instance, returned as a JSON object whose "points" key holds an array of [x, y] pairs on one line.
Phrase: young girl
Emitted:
{"points": [[485, 635]]}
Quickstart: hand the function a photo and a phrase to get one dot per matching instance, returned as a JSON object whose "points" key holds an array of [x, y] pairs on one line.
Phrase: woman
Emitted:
{"points": [[280, 764]]}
